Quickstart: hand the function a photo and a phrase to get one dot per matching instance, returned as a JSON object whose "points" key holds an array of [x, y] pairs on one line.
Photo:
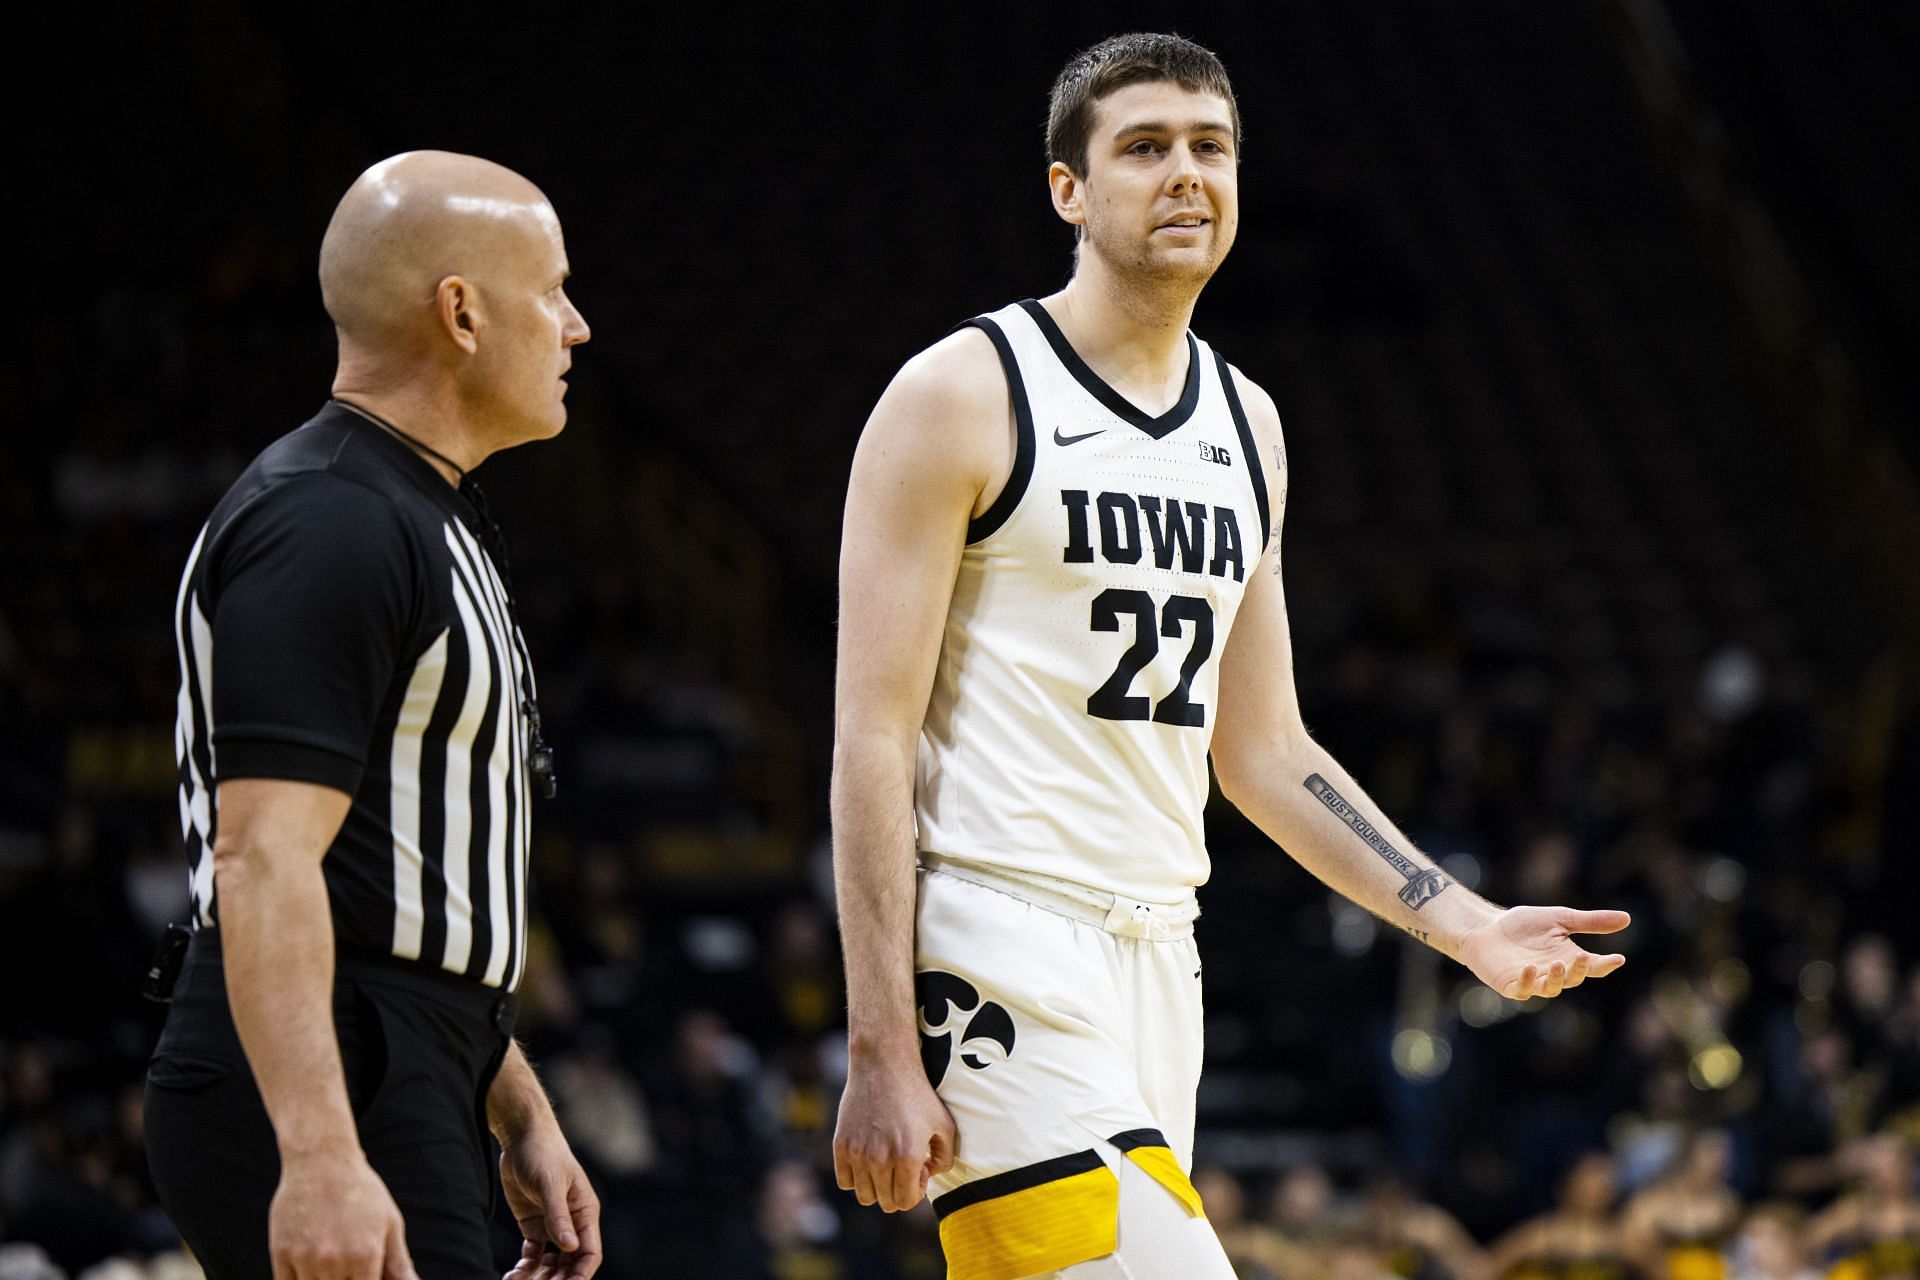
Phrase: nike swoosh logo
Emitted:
{"points": [[1060, 439]]}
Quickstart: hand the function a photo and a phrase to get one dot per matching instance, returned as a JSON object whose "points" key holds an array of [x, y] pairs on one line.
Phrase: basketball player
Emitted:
{"points": [[1060, 590]]}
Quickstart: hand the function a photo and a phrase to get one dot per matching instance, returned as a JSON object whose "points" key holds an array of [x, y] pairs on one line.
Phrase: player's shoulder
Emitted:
{"points": [[947, 406], [1262, 414], [961, 371]]}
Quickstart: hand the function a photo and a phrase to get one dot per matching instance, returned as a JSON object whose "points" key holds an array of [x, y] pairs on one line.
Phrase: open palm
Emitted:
{"points": [[1530, 951]]}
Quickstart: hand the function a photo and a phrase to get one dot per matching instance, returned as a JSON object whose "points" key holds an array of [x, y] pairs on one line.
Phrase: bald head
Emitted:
{"points": [[445, 277], [414, 220]]}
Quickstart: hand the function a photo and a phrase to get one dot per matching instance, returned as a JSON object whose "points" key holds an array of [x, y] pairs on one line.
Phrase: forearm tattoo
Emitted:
{"points": [[1423, 885]]}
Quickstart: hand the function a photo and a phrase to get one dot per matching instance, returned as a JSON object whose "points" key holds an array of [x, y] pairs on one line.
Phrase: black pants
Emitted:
{"points": [[420, 1050]]}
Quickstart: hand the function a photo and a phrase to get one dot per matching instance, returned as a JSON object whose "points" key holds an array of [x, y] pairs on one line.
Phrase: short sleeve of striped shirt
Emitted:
{"points": [[314, 588]]}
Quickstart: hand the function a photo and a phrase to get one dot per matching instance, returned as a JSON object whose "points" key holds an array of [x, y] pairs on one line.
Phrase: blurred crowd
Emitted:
{"points": [[1687, 1220], [1556, 601]]}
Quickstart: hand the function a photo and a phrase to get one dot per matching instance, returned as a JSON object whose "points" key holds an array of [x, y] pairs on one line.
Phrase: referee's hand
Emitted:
{"points": [[558, 1212], [333, 1219]]}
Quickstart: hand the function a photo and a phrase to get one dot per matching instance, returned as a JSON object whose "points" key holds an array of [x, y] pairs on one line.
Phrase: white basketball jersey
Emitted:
{"points": [[1079, 675]]}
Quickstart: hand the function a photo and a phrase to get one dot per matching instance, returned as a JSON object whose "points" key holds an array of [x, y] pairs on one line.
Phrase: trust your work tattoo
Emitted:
{"points": [[1424, 884]]}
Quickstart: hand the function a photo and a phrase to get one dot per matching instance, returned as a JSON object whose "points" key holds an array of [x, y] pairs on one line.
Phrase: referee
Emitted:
{"points": [[359, 742]]}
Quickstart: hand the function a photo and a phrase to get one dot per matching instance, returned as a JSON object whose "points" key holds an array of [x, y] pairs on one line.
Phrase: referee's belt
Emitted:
{"points": [[1122, 916]]}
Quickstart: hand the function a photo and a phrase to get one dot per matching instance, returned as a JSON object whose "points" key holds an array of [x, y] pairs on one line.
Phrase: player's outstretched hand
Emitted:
{"points": [[1530, 951], [893, 1135]]}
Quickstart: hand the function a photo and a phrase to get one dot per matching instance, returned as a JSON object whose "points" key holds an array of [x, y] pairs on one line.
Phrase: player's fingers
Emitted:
{"points": [[1604, 965], [842, 1168], [1594, 921], [863, 1190], [362, 1263], [883, 1176], [904, 1184], [940, 1147], [1523, 986], [1556, 979], [324, 1263], [1577, 971]]}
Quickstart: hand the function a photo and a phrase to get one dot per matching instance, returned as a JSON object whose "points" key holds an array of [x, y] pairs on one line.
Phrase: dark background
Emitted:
{"points": [[1591, 325]]}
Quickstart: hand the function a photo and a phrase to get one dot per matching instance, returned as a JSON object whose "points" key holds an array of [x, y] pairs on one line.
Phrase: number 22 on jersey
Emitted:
{"points": [[1112, 700]]}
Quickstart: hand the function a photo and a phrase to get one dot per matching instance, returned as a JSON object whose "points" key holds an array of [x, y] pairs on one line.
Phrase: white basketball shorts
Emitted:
{"points": [[1053, 1018]]}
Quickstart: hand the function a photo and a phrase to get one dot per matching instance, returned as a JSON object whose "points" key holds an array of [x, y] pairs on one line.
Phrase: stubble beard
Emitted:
{"points": [[1138, 269]]}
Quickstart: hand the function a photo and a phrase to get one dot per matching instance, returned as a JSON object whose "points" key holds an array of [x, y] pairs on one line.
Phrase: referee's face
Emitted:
{"points": [[533, 327]]}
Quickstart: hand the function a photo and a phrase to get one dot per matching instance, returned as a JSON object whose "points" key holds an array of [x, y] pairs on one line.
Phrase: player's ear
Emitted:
{"points": [[456, 304], [1068, 193]]}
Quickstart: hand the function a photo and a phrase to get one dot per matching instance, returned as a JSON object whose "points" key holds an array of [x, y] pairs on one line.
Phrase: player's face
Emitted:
{"points": [[532, 328], [1161, 194]]}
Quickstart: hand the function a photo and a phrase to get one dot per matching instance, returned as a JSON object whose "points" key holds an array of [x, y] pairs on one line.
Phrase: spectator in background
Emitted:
{"points": [[1822, 1100], [1580, 1239], [798, 1231], [1255, 1249], [1772, 1245], [1901, 1108], [1418, 1241], [1873, 1231], [1303, 1208], [714, 1143], [1682, 1227], [1350, 1257]]}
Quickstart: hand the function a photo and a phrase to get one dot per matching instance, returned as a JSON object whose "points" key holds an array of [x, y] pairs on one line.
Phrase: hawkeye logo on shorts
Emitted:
{"points": [[943, 999]]}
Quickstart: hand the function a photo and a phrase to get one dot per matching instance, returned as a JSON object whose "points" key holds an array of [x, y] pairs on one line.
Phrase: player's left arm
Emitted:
{"points": [[1277, 775]]}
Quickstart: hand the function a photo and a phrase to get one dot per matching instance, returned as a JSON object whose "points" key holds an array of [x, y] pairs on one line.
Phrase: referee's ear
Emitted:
{"points": [[457, 302]]}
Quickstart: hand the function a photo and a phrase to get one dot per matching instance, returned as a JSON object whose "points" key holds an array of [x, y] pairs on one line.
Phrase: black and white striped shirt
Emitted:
{"points": [[341, 622]]}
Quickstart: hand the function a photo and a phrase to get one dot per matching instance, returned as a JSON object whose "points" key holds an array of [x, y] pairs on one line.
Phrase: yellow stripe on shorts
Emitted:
{"points": [[1037, 1219], [1148, 1148]]}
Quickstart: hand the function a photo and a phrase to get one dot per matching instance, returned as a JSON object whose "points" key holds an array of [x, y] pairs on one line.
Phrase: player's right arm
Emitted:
{"points": [[934, 452]]}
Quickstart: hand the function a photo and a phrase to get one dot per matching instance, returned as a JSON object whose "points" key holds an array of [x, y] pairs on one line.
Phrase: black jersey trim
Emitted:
{"points": [[1009, 497], [1005, 1184], [1248, 447], [1157, 427], [1132, 1139]]}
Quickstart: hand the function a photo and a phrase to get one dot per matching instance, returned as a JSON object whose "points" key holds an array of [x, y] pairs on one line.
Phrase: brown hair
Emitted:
{"points": [[1115, 63]]}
